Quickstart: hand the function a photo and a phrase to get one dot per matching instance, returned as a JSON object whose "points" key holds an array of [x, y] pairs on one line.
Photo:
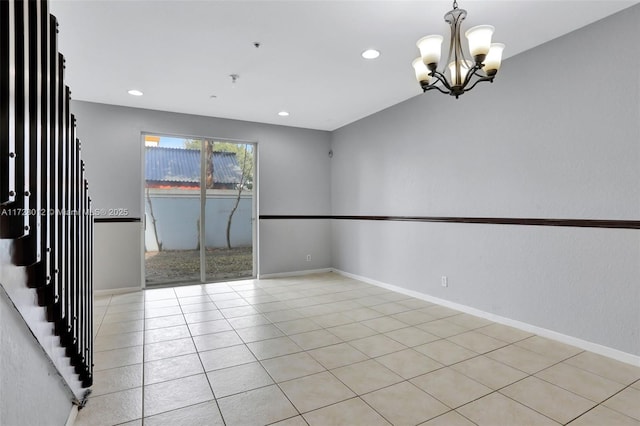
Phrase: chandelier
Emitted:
{"points": [[464, 74]]}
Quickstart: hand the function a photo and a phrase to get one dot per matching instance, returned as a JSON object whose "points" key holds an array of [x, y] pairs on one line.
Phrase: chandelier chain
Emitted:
{"points": [[455, 4]]}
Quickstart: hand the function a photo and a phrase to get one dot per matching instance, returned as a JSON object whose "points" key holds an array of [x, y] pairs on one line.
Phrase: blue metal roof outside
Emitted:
{"points": [[180, 165]]}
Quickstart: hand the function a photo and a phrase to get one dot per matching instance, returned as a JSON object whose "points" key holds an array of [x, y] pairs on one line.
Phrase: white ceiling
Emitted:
{"points": [[179, 52]]}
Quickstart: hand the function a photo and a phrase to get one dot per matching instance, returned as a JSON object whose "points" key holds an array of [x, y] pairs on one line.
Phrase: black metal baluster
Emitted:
{"points": [[39, 275], [73, 238], [81, 266], [27, 248], [14, 222], [57, 311], [89, 379], [7, 107], [88, 300], [63, 206], [68, 252]]}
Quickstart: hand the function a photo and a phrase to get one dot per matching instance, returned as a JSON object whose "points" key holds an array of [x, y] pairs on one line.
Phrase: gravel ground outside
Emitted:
{"points": [[184, 265]]}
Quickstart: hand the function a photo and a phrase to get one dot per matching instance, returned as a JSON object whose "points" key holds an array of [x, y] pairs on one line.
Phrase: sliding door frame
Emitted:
{"points": [[255, 223]]}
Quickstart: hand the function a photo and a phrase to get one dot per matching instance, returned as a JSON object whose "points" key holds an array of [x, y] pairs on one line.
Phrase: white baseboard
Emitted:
{"points": [[563, 338], [72, 415], [295, 273], [112, 291]]}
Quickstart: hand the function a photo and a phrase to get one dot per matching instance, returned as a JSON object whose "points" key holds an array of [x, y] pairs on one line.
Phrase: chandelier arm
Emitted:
{"points": [[433, 86], [472, 71], [442, 79], [458, 54], [451, 49], [489, 79]]}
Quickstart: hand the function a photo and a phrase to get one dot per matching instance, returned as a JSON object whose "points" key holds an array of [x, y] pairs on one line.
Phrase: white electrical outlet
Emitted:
{"points": [[444, 281], [308, 258]]}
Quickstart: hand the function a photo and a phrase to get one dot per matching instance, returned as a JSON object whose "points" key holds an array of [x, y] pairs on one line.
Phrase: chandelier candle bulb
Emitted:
{"points": [[422, 73], [494, 59], [458, 78], [479, 38], [430, 50]]}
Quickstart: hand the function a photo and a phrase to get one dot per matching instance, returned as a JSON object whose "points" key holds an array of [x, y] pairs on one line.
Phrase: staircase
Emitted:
{"points": [[46, 221]]}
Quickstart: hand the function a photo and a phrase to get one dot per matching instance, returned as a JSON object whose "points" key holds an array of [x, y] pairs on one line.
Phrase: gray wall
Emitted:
{"points": [[556, 136], [293, 170]]}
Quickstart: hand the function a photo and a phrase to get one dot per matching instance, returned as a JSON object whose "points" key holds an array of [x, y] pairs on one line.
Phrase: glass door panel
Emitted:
{"points": [[229, 212], [172, 210], [193, 231]]}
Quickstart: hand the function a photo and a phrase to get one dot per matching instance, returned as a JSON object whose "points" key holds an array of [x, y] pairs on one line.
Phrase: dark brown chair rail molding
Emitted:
{"points": [[117, 219], [580, 223]]}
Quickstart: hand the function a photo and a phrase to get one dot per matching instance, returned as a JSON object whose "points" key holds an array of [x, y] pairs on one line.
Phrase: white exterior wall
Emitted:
{"points": [[177, 215]]}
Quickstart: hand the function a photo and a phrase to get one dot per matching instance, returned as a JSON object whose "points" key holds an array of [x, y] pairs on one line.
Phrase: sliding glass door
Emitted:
{"points": [[199, 210]]}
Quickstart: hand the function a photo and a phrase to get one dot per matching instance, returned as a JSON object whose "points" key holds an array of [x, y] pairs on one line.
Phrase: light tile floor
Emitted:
{"points": [[328, 350]]}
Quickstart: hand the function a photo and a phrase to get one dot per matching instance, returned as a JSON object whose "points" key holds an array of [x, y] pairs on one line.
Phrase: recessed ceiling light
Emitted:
{"points": [[370, 54], [283, 114], [135, 92]]}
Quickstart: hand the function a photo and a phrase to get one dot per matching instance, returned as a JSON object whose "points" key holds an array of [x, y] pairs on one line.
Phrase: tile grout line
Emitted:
{"points": [[529, 375], [378, 333], [615, 394], [356, 395], [206, 375], [144, 339], [308, 375], [267, 371]]}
